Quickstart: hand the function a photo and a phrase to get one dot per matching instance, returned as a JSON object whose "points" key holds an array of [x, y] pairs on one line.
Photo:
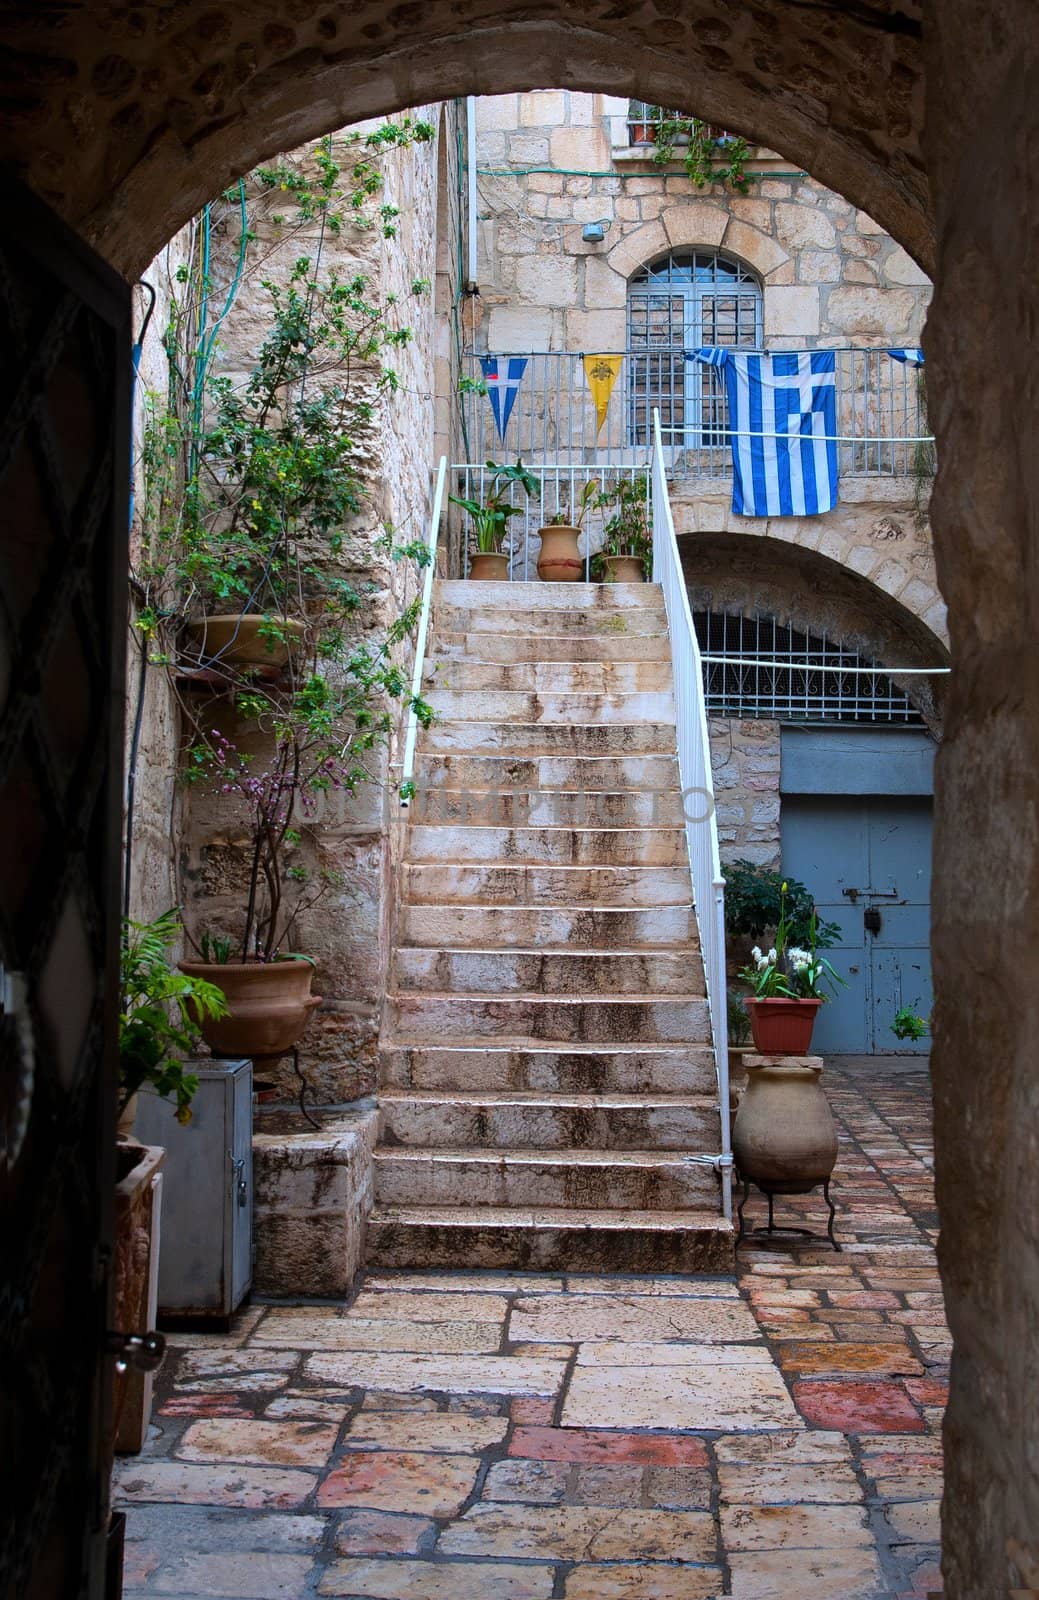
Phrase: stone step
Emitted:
{"points": [[540, 647], [607, 1179], [533, 739], [526, 1064], [478, 598], [424, 1019], [540, 927], [437, 1119], [650, 847], [615, 774], [486, 705], [548, 677], [550, 972], [550, 1239], [554, 621], [552, 808], [493, 884]]}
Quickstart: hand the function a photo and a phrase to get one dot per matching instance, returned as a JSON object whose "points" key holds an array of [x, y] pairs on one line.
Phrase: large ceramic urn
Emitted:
{"points": [[783, 1137]]}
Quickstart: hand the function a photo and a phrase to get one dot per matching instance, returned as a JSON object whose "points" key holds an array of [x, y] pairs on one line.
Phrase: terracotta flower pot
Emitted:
{"points": [[237, 641], [269, 1004], [782, 1027], [560, 560], [624, 569], [490, 566], [783, 1135]]}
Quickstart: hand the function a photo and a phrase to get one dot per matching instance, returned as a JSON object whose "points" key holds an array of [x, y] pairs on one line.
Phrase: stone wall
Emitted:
{"points": [[830, 273], [745, 766], [188, 844], [151, 708]]}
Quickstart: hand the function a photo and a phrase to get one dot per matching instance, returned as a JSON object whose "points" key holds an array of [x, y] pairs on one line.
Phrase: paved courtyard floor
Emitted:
{"points": [[504, 1436]]}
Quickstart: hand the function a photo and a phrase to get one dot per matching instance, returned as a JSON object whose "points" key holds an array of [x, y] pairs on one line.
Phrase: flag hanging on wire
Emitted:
{"points": [[782, 429], [601, 372], [502, 376], [910, 358]]}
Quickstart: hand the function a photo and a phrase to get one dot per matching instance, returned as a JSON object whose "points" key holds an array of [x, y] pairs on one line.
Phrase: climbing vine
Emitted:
{"points": [[707, 155]]}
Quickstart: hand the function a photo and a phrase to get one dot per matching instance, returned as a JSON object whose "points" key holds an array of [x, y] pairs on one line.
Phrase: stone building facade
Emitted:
{"points": [[552, 162]]}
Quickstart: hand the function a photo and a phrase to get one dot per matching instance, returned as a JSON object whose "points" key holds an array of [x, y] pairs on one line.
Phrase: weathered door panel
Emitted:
{"points": [[868, 862], [64, 476], [825, 846]]}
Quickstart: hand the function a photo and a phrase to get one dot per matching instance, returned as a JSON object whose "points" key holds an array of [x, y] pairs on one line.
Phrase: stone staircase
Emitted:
{"points": [[546, 1064]]}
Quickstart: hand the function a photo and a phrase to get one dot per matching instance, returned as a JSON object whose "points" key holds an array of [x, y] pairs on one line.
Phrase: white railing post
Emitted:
{"points": [[407, 772], [694, 767]]}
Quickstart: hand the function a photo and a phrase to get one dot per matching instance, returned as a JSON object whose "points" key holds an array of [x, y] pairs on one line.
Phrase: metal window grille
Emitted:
{"points": [[755, 667], [683, 300], [644, 117]]}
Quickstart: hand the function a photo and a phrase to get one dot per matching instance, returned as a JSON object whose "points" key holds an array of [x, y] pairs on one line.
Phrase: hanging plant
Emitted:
{"points": [[707, 155]]}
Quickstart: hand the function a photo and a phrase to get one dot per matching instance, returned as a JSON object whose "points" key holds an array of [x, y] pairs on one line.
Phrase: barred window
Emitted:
{"points": [[676, 303], [762, 669]]}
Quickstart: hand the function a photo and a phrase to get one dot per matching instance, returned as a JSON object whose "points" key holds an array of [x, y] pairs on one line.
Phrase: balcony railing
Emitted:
{"points": [[882, 423]]}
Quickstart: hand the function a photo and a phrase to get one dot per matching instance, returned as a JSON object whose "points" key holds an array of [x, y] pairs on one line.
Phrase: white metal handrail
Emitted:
{"points": [[407, 773], [694, 768]]}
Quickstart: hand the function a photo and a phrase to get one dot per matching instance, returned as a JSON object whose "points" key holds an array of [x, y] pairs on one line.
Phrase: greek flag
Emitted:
{"points": [[502, 376], [782, 422], [909, 358]]}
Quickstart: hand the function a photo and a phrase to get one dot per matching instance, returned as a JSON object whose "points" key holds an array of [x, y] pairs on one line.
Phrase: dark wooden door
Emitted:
{"points": [[64, 476]]}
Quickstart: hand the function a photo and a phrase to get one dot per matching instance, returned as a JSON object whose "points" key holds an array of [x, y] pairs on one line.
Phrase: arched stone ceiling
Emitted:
{"points": [[127, 115]]}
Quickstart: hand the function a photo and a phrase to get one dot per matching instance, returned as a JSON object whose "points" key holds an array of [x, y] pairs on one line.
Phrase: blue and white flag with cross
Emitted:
{"points": [[782, 429], [502, 376]]}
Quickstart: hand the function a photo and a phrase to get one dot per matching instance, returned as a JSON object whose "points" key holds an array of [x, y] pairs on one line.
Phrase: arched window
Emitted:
{"points": [[676, 303]]}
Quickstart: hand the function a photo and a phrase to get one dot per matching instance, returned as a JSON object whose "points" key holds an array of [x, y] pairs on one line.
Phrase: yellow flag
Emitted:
{"points": [[601, 372]]}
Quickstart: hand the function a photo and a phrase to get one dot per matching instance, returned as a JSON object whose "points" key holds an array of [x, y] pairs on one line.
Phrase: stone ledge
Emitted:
{"points": [[313, 1195]]}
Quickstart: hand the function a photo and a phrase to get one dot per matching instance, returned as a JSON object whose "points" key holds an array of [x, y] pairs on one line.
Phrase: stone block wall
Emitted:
{"points": [[745, 765], [312, 1196], [548, 165]]}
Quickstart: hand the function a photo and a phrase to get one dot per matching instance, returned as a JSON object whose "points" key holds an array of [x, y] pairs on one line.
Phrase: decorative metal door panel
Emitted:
{"points": [[64, 476], [868, 863]]}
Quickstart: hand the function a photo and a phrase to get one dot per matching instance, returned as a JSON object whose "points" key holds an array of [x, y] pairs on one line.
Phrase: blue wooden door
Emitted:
{"points": [[868, 863]]}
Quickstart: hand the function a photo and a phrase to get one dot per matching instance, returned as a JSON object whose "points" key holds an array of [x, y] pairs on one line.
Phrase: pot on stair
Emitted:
{"points": [[560, 559], [489, 566], [269, 1005], [783, 1136], [623, 569]]}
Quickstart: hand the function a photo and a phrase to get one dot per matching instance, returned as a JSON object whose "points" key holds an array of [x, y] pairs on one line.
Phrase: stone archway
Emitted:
{"points": [[128, 116]]}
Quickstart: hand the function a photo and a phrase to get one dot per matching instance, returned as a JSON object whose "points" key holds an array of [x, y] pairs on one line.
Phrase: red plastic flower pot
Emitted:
{"points": [[782, 1027]]}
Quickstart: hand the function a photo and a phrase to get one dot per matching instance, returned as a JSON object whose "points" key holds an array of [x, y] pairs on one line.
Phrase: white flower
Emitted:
{"points": [[756, 953], [799, 959], [771, 961]]}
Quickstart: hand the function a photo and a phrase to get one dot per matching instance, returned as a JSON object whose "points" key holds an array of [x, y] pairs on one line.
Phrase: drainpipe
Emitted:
{"points": [[471, 277]]}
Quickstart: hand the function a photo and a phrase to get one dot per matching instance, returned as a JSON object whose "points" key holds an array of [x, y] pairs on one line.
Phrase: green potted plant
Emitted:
{"points": [[709, 155], [490, 518], [627, 549], [642, 121], [787, 984], [251, 488], [160, 1014], [909, 1025], [559, 559]]}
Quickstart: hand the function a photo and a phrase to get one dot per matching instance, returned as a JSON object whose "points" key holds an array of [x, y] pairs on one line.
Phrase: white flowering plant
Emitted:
{"points": [[788, 971]]}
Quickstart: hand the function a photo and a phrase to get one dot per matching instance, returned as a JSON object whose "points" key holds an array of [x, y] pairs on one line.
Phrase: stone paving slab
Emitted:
{"points": [[500, 1436]]}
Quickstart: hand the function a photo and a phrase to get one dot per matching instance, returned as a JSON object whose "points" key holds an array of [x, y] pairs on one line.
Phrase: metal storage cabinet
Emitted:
{"points": [[205, 1255]]}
